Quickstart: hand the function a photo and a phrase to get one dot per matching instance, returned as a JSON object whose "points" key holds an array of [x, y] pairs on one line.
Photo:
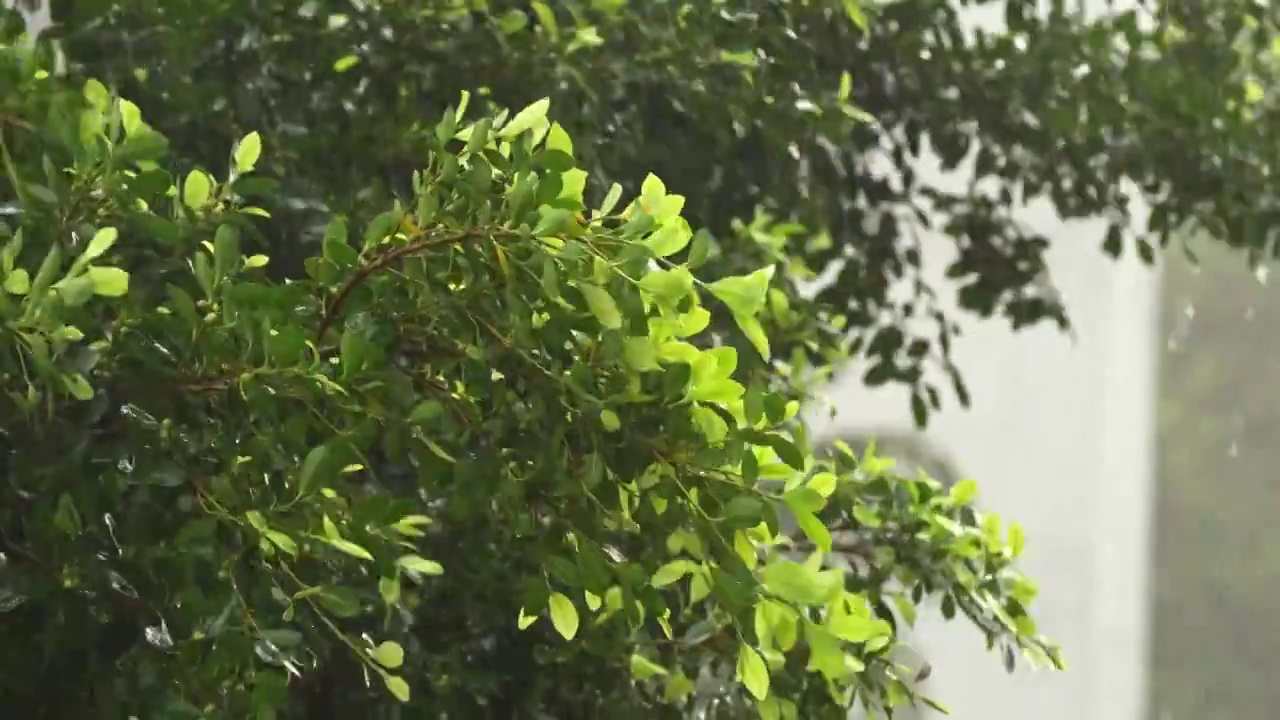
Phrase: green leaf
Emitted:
{"points": [[652, 190], [524, 621], [671, 238], [512, 22], [78, 386], [398, 687], [553, 221], [804, 499], [18, 282], [109, 281], [74, 291], [282, 541], [409, 524], [226, 249], [420, 565], [785, 449], [526, 119], [754, 333], [282, 638], [678, 687], [564, 616], [426, 411], [963, 492], [640, 354], [389, 590], [388, 654], [1017, 539], [744, 511], [853, 9], [813, 529], [479, 136], [823, 483], [130, 116], [342, 602], [800, 583], [610, 201], [197, 190], [546, 17], [609, 419], [97, 94], [671, 572], [744, 295], [558, 139], [100, 244], [309, 473], [856, 628], [752, 672], [343, 64], [602, 306], [350, 548], [248, 150], [669, 287], [643, 668]]}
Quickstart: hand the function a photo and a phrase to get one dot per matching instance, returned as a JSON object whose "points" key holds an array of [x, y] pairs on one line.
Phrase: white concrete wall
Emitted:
{"points": [[37, 19], [1061, 438]]}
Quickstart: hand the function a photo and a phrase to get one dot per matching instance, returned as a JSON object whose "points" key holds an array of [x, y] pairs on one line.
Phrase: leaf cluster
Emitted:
{"points": [[499, 448]]}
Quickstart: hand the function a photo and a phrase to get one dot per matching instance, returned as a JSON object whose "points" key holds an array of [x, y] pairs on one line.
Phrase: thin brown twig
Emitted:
{"points": [[382, 261]]}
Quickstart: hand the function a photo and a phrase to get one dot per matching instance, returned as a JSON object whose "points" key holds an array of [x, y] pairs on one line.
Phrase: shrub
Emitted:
{"points": [[482, 454]]}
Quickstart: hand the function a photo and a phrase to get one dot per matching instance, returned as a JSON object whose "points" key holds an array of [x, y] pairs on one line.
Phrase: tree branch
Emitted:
{"points": [[381, 262]]}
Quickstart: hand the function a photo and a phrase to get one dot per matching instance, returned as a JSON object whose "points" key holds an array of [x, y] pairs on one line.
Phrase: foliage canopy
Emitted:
{"points": [[503, 446], [378, 351]]}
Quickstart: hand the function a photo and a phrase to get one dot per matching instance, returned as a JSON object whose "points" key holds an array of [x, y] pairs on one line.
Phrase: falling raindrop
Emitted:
{"points": [[10, 599], [119, 584], [1233, 450], [158, 636], [1262, 274], [145, 418]]}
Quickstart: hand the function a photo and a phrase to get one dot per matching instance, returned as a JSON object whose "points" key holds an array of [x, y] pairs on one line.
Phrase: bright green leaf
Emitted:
{"points": [[420, 565], [564, 616], [197, 190], [18, 282], [526, 119], [671, 572], [398, 687], [752, 672], [102, 241], [248, 150], [671, 238], [799, 583], [109, 281], [602, 306], [312, 464], [350, 548], [963, 492], [643, 668], [388, 654]]}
